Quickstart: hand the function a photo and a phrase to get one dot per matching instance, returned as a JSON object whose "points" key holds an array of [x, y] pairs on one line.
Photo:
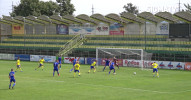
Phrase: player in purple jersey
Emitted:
{"points": [[112, 67], [12, 78], [115, 62], [60, 61], [107, 61], [56, 67]]}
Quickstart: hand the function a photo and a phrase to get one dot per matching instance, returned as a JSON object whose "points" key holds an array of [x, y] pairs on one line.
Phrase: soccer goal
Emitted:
{"points": [[126, 57]]}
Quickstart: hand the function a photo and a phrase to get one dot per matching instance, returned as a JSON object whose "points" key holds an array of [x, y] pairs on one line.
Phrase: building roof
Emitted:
{"points": [[72, 19], [114, 17], [131, 17], [185, 16], [58, 19], [101, 18], [149, 16], [10, 20], [167, 16], [97, 18], [86, 19]]}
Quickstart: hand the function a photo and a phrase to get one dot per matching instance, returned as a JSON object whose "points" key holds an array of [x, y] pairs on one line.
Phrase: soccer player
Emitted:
{"points": [[93, 66], [18, 65], [60, 61], [112, 67], [115, 62], [12, 78], [155, 66], [74, 62], [41, 61], [107, 61], [77, 68], [56, 67]]}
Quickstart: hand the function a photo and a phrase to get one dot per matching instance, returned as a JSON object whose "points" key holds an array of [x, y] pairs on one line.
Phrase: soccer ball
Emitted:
{"points": [[114, 73], [134, 73]]}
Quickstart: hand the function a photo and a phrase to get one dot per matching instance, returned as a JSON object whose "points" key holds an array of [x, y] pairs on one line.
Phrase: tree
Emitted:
{"points": [[130, 8], [66, 8], [188, 7], [49, 8], [37, 8], [26, 8]]}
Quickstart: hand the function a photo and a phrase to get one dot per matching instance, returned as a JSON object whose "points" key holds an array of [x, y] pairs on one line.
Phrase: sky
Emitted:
{"points": [[105, 7]]}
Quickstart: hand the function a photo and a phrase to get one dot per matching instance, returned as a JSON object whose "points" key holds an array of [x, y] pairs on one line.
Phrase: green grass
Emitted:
{"points": [[40, 85]]}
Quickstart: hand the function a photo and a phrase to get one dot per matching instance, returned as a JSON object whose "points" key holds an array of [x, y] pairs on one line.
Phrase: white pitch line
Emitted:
{"points": [[142, 90], [135, 89]]}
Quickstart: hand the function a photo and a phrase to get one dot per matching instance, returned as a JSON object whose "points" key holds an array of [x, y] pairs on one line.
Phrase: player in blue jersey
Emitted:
{"points": [[56, 67], [60, 61], [112, 67], [107, 61], [12, 78], [74, 62]]}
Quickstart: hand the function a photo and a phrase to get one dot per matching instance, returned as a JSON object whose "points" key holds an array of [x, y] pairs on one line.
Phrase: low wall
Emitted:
{"points": [[101, 61]]}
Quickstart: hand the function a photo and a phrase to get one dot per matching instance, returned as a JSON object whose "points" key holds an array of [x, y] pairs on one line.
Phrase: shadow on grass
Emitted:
{"points": [[5, 89], [75, 77]]}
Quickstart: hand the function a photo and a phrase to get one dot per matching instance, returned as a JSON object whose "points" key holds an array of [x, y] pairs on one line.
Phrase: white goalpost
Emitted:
{"points": [[123, 53]]}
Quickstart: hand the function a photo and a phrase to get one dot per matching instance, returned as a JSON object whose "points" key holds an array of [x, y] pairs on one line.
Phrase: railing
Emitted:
{"points": [[76, 41]]}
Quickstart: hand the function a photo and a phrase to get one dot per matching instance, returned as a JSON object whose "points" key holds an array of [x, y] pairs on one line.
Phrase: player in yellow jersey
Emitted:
{"points": [[77, 68], [93, 66], [41, 61], [155, 66], [18, 65]]}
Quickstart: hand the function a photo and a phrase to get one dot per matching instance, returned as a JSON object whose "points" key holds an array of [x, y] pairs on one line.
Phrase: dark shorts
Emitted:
{"points": [[12, 80], [60, 62], [18, 66], [76, 71], [112, 68], [155, 70], [40, 65], [106, 64], [55, 70], [116, 64], [92, 67]]}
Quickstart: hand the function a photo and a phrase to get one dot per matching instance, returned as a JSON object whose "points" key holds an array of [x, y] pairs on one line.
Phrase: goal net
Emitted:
{"points": [[125, 57]]}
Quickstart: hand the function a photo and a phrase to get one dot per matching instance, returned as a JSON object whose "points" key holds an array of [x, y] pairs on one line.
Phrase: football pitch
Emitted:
{"points": [[41, 85]]}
